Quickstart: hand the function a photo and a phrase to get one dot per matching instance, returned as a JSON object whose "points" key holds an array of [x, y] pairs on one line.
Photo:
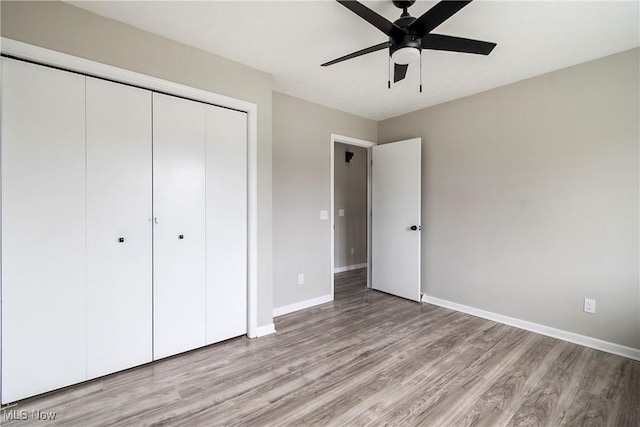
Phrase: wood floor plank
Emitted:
{"points": [[628, 410], [364, 359], [455, 395], [505, 392], [542, 402]]}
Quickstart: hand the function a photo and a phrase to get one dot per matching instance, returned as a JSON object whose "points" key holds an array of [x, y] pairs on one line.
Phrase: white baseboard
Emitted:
{"points": [[263, 330], [349, 268], [279, 311], [609, 347]]}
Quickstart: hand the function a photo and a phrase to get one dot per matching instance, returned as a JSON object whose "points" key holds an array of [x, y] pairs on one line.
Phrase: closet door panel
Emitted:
{"points": [[226, 223], [119, 230], [43, 229], [179, 207]]}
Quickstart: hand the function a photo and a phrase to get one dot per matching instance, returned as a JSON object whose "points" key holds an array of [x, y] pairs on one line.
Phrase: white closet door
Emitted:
{"points": [[119, 243], [179, 208], [43, 230], [226, 224]]}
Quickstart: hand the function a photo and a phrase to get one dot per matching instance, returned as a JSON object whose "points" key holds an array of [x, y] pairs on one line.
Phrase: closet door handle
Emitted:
{"points": [[155, 220]]}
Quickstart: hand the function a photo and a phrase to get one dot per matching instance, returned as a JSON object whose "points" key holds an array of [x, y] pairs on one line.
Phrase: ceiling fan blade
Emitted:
{"points": [[378, 21], [358, 53], [399, 72], [436, 16], [456, 44]]}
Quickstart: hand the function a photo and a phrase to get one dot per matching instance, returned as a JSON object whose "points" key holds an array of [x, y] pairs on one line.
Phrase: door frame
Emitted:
{"points": [[71, 63], [359, 143]]}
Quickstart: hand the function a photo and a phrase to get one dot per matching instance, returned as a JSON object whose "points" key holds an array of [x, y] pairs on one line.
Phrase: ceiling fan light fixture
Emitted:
{"points": [[406, 55]]}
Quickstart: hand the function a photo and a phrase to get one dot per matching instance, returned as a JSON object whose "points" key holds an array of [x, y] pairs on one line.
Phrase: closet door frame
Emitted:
{"points": [[49, 57]]}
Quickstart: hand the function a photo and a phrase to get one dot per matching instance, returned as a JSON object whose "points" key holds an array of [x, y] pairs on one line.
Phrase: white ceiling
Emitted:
{"points": [[290, 39]]}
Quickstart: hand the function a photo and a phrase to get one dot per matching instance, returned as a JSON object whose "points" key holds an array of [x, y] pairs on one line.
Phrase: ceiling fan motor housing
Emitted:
{"points": [[408, 41], [405, 40], [403, 4]]}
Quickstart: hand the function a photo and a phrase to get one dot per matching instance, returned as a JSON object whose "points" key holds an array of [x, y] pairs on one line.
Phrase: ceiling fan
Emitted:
{"points": [[409, 35]]}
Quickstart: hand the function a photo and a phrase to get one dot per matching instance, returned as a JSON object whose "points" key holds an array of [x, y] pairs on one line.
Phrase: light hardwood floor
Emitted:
{"points": [[365, 359]]}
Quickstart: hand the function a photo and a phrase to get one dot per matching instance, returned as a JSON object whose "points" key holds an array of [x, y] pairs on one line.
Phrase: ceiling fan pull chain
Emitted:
{"points": [[421, 72], [389, 73]]}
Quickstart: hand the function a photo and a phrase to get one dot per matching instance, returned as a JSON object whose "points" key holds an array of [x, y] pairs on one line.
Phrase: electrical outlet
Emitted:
{"points": [[300, 279], [590, 305]]}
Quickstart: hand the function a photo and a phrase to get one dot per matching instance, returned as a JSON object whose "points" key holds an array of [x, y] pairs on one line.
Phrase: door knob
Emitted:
{"points": [[121, 239], [181, 236], [415, 227]]}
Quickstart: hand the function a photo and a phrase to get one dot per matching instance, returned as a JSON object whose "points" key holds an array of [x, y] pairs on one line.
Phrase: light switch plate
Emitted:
{"points": [[324, 214], [340, 212]]}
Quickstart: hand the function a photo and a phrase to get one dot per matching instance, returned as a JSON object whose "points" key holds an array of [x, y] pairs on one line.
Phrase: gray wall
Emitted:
{"points": [[530, 198], [350, 195], [301, 188], [64, 28]]}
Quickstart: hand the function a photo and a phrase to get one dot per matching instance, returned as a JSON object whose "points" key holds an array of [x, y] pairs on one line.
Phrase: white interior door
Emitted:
{"points": [[43, 229], [119, 288], [226, 223], [179, 209], [395, 221]]}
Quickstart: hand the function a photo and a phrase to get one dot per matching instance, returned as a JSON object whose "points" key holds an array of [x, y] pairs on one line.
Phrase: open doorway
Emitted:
{"points": [[350, 211]]}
